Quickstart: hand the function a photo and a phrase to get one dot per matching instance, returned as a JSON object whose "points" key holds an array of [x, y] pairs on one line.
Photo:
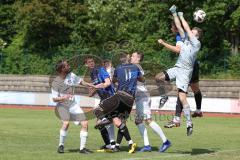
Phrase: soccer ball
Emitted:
{"points": [[199, 16]]}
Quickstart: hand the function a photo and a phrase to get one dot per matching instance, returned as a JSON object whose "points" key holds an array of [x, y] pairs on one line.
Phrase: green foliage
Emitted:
{"points": [[234, 65], [40, 32], [7, 27]]}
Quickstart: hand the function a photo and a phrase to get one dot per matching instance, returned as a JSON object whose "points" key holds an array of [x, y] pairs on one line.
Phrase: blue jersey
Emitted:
{"points": [[127, 75], [98, 75], [180, 39]]}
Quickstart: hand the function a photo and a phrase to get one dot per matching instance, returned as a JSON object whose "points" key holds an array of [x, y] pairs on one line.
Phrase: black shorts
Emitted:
{"points": [[117, 105], [195, 74]]}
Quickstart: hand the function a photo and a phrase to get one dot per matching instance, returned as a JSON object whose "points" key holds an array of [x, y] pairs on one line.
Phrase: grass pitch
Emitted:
{"points": [[33, 134]]}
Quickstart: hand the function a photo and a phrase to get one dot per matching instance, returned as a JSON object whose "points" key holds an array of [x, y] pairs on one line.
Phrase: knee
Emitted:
{"points": [[138, 121], [84, 124], [183, 98], [195, 88], [117, 122], [65, 125], [148, 121], [160, 77]]}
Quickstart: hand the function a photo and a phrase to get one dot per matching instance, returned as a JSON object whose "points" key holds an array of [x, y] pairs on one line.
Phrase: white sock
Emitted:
{"points": [[157, 129], [187, 113], [176, 119], [110, 129], [198, 110], [108, 146], [143, 131], [83, 139], [130, 142], [62, 136]]}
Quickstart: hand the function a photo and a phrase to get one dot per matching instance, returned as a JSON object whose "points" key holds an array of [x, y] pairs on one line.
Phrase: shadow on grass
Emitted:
{"points": [[196, 151], [73, 150], [125, 148]]}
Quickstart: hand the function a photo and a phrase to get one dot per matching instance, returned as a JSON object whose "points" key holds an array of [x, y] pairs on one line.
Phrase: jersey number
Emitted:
{"points": [[128, 74]]}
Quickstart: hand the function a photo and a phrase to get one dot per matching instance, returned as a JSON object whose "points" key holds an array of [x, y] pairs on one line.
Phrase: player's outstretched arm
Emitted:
{"points": [[107, 82], [175, 49], [177, 22], [63, 98], [86, 84], [185, 25]]}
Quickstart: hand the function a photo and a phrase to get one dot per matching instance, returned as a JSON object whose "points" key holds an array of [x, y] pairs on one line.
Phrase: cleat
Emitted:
{"points": [[190, 130], [173, 9], [197, 114], [165, 146], [172, 124], [88, 150], [60, 149], [146, 149], [105, 149], [163, 100], [102, 123], [132, 148], [116, 149], [85, 151]]}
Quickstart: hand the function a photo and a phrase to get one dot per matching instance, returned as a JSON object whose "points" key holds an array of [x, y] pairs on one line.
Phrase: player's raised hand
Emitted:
{"points": [[160, 41]]}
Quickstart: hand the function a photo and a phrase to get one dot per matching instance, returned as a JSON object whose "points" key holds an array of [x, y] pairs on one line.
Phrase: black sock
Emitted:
{"points": [[179, 108], [119, 137], [198, 99], [124, 130], [105, 135]]}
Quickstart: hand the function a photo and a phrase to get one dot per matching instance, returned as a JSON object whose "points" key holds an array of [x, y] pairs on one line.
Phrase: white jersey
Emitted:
{"points": [[142, 100], [110, 72], [141, 87], [62, 87], [188, 53]]}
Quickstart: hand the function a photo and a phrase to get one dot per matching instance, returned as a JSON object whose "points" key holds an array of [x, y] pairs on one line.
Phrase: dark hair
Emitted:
{"points": [[87, 58], [200, 32], [140, 54], [123, 57], [107, 61], [59, 65]]}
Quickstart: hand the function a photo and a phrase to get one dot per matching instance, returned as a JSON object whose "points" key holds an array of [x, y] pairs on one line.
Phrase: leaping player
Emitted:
{"points": [[182, 71]]}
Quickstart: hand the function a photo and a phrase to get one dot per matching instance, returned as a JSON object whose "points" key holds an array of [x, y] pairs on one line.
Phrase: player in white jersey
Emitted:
{"points": [[109, 67], [194, 85], [143, 111], [66, 105], [110, 128], [182, 71]]}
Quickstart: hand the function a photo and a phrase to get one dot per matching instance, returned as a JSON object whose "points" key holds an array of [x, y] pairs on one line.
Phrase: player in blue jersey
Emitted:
{"points": [[119, 106], [98, 76]]}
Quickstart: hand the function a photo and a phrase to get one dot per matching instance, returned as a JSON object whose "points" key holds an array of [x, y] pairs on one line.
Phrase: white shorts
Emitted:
{"points": [[71, 113], [143, 106], [182, 77]]}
